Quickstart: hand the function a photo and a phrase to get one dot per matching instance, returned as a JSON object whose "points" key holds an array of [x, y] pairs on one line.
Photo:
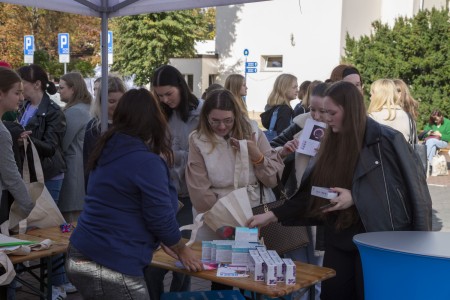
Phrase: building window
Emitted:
{"points": [[273, 62], [190, 81], [212, 79]]}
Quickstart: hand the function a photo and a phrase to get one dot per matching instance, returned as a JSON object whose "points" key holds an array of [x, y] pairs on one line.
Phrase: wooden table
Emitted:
{"points": [[46, 258], [307, 276]]}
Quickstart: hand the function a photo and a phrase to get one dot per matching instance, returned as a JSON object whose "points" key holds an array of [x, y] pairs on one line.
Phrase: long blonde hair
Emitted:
{"points": [[406, 100], [115, 85], [81, 94], [384, 94], [234, 83], [282, 84]]}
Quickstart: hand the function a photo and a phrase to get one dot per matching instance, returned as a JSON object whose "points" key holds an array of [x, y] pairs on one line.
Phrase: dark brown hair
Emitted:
{"points": [[339, 152], [169, 75], [33, 73], [138, 114], [8, 78], [435, 113]]}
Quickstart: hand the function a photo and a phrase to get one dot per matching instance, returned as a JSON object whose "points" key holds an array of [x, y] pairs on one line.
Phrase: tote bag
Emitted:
{"points": [[234, 209], [45, 212]]}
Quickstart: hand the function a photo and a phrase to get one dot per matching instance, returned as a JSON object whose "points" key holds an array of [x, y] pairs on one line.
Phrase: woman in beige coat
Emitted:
{"points": [[213, 149]]}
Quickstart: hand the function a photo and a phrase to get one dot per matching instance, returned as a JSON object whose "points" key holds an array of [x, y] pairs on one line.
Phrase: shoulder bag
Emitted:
{"points": [[419, 149], [276, 236]]}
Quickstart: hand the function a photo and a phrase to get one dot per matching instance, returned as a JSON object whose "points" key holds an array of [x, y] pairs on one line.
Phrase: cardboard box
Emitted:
{"points": [[290, 271]]}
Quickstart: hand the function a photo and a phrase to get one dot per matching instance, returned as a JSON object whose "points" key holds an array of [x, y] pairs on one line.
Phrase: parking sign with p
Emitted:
{"points": [[64, 47], [28, 48]]}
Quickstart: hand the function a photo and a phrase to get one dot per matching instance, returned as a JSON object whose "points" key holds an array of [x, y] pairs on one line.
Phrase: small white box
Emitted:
{"points": [[206, 250], [279, 263], [323, 192], [290, 271], [246, 234], [223, 251], [256, 267], [270, 270]]}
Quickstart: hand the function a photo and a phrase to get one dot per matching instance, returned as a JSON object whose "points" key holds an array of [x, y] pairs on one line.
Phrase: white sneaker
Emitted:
{"points": [[58, 294], [68, 287]]}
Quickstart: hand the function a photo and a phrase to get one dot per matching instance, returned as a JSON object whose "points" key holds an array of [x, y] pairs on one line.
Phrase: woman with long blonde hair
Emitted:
{"points": [[237, 85], [284, 90], [384, 109], [74, 92]]}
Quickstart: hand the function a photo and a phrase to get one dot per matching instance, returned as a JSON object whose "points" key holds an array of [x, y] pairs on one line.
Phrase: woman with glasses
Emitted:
{"points": [[213, 148]]}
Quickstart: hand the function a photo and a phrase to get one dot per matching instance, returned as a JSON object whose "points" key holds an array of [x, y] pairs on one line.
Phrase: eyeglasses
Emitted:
{"points": [[226, 122]]}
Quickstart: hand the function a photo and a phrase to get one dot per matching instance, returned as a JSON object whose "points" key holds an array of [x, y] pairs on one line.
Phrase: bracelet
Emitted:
{"points": [[260, 160]]}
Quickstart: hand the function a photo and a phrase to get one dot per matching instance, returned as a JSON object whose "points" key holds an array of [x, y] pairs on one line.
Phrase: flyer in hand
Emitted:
{"points": [[309, 140]]}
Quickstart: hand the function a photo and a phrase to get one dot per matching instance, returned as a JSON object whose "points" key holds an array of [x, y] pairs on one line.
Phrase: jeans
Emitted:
{"points": [[54, 187], [95, 281], [306, 255], [432, 147], [154, 277]]}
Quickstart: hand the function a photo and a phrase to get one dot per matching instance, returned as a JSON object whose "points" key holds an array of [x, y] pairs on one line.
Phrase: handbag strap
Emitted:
{"points": [[412, 131], [198, 223], [36, 160], [242, 166], [280, 187], [273, 119]]}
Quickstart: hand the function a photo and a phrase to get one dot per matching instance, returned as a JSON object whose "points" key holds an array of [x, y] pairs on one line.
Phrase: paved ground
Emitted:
{"points": [[440, 194]]}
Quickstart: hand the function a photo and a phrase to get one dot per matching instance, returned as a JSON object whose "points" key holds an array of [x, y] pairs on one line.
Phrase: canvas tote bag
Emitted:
{"points": [[9, 274], [234, 209], [45, 212]]}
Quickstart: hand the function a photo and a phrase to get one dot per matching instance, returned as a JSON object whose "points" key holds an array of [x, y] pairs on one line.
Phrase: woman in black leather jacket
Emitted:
{"points": [[380, 184], [44, 123]]}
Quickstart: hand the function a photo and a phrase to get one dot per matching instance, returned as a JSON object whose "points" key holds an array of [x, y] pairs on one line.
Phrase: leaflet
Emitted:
{"points": [[309, 140]]}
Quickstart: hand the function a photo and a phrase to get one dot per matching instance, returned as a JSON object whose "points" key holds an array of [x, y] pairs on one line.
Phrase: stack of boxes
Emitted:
{"points": [[264, 265]]}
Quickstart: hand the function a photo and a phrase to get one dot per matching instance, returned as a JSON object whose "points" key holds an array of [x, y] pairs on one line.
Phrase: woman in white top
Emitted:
{"points": [[383, 107]]}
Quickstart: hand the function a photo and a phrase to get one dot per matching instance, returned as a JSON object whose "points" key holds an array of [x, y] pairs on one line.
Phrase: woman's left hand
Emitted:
{"points": [[343, 201]]}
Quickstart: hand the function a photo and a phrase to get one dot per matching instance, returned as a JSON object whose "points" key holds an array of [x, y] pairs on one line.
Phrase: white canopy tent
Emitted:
{"points": [[106, 9]]}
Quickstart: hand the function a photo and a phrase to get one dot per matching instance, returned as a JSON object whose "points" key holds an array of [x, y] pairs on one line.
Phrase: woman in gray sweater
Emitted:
{"points": [[10, 179]]}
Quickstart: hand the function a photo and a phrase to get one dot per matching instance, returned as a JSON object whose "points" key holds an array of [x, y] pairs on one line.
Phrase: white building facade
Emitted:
{"points": [[305, 38]]}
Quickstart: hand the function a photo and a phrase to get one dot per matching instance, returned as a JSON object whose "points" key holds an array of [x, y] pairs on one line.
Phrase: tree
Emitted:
{"points": [[17, 21], [144, 42], [416, 50]]}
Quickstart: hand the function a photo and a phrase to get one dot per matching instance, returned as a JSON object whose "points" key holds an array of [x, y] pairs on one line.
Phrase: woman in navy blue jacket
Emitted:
{"points": [[130, 205]]}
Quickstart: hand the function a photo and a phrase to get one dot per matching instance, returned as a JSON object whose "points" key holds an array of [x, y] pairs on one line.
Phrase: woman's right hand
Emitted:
{"points": [[190, 261], [262, 220], [289, 148]]}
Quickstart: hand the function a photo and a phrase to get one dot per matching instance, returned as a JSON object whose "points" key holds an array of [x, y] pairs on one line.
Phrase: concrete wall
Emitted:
{"points": [[306, 36], [200, 68], [309, 34]]}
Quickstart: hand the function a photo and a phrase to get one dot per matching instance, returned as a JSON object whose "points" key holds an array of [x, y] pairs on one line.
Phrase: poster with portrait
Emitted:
{"points": [[309, 140]]}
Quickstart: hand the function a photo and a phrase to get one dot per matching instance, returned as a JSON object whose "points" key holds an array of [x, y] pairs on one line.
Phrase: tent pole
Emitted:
{"points": [[104, 81]]}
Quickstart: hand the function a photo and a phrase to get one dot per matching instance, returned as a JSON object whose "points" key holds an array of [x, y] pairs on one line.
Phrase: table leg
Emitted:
{"points": [[49, 277], [312, 292]]}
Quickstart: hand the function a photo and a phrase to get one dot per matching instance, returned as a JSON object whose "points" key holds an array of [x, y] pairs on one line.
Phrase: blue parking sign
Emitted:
{"points": [[28, 45], [63, 43]]}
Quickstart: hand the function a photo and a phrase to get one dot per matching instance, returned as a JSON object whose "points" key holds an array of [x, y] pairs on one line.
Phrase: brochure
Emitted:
{"points": [[309, 140], [229, 270]]}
